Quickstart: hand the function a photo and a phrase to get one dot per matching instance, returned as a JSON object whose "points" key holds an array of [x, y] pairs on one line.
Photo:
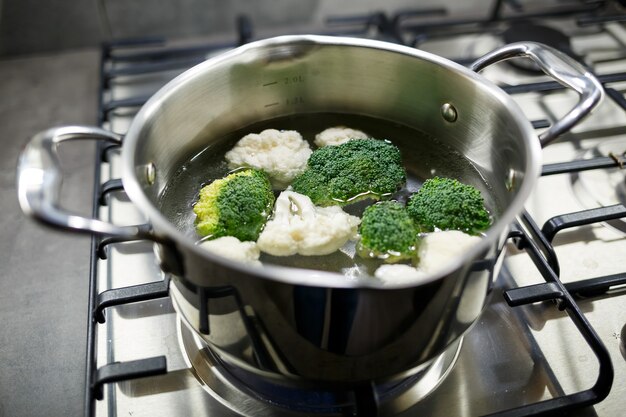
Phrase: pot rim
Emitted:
{"points": [[318, 278]]}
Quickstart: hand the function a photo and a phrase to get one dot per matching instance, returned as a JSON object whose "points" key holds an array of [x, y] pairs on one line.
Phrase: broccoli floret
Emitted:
{"points": [[237, 205], [358, 169], [387, 231], [447, 204]]}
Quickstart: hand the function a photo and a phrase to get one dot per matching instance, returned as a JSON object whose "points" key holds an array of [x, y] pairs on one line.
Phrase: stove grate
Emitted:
{"points": [[554, 290], [530, 238], [119, 59]]}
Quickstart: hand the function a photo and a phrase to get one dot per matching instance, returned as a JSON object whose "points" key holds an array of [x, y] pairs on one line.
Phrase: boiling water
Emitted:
{"points": [[423, 157]]}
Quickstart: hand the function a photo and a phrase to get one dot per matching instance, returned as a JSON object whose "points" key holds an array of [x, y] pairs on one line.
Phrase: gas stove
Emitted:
{"points": [[538, 346]]}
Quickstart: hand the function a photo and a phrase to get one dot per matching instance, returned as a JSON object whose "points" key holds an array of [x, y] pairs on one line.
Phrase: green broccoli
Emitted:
{"points": [[447, 204], [355, 170], [237, 205], [387, 231]]}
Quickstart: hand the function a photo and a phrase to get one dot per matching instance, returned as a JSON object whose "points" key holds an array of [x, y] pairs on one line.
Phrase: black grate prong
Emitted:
{"points": [[109, 187], [594, 287], [581, 218], [532, 294], [131, 294], [540, 124], [617, 97], [106, 241], [122, 371], [582, 165], [244, 30]]}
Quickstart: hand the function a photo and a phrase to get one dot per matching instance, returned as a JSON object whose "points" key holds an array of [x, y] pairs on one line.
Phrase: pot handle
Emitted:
{"points": [[39, 182], [563, 69]]}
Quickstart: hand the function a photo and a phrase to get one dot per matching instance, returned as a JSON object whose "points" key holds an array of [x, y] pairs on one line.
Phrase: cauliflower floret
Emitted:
{"points": [[232, 248], [338, 135], [395, 273], [435, 250], [281, 154], [300, 227], [438, 248]]}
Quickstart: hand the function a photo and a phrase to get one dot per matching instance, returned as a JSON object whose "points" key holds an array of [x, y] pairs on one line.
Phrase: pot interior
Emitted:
{"points": [[423, 157], [311, 83]]}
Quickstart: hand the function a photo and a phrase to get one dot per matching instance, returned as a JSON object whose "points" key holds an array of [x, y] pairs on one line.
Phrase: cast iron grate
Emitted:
{"points": [[526, 233], [536, 241]]}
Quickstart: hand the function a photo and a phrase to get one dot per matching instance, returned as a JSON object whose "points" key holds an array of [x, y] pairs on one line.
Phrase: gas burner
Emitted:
{"points": [[246, 393], [602, 187], [528, 31]]}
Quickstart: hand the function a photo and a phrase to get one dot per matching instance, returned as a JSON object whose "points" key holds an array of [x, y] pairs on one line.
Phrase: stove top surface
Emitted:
{"points": [[513, 356]]}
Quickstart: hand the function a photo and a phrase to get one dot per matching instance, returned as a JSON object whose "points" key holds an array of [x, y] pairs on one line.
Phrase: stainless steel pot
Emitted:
{"points": [[302, 325]]}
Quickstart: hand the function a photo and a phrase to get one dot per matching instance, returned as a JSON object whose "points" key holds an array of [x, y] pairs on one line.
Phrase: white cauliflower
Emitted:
{"points": [[435, 251], [300, 227], [397, 273], [281, 154], [438, 248], [232, 248], [338, 135]]}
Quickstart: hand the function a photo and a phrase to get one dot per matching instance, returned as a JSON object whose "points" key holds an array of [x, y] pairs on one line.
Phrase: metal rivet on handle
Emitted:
{"points": [[510, 181], [150, 173], [449, 112]]}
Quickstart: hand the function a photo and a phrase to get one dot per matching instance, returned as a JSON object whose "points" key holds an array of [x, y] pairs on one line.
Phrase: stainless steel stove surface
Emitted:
{"points": [[513, 356]]}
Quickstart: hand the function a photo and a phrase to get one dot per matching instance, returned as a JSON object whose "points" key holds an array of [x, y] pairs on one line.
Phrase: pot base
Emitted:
{"points": [[249, 395]]}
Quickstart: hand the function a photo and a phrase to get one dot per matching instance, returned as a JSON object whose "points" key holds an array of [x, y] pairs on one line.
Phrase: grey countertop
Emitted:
{"points": [[44, 273]]}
